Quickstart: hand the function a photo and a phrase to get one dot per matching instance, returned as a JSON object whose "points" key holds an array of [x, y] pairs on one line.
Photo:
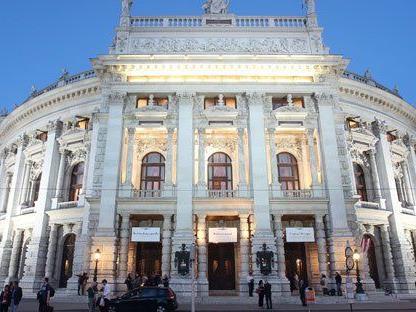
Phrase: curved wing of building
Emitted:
{"points": [[242, 135]]}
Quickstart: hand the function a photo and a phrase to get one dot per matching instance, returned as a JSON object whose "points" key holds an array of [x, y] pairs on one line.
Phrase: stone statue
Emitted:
{"points": [[126, 7], [216, 6]]}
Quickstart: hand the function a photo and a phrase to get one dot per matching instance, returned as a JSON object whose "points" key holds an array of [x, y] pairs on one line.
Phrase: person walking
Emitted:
{"points": [[44, 295], [324, 285], [17, 295], [250, 283], [268, 294], [5, 298], [137, 282], [91, 293], [302, 291], [260, 292], [338, 282], [80, 282], [106, 294], [165, 281], [129, 282]]}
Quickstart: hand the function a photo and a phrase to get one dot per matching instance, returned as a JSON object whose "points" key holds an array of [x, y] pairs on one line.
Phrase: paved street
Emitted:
{"points": [[31, 306]]}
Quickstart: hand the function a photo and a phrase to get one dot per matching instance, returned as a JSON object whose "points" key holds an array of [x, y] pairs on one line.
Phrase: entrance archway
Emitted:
{"points": [[296, 266], [372, 261], [67, 260], [149, 259], [221, 266]]}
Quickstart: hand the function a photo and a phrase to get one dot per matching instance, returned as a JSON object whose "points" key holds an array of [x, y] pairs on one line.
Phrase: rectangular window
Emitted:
{"points": [[83, 123], [231, 102], [43, 136], [210, 102], [279, 102], [162, 102], [353, 123], [142, 102]]}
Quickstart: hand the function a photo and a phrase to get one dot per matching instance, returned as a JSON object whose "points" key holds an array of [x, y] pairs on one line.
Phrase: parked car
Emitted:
{"points": [[149, 299]]}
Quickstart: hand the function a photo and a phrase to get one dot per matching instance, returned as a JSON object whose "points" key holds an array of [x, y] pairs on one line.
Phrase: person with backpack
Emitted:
{"points": [[5, 297], [17, 295], [45, 293], [92, 294]]}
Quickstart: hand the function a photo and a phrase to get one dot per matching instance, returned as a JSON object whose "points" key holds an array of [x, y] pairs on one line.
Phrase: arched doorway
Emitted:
{"points": [[372, 260], [67, 260]]}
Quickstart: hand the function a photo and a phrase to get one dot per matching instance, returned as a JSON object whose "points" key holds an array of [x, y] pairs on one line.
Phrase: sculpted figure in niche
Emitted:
{"points": [[126, 7], [216, 6]]}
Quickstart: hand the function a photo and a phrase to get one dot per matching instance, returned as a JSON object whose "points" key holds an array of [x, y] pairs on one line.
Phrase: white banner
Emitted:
{"points": [[222, 235], [300, 235], [145, 235]]}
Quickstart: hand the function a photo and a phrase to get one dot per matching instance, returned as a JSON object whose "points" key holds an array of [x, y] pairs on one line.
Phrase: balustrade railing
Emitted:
{"points": [[219, 194], [151, 194], [367, 205], [231, 21], [67, 205], [297, 194]]}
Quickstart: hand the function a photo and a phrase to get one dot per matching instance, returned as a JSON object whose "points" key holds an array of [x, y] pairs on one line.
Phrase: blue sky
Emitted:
{"points": [[41, 37]]}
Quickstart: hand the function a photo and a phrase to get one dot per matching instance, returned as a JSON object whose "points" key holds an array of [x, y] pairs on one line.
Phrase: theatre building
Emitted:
{"points": [[241, 138]]}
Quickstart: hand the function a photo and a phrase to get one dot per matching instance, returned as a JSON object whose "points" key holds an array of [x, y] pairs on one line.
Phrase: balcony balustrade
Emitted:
{"points": [[154, 194], [220, 194], [297, 194]]}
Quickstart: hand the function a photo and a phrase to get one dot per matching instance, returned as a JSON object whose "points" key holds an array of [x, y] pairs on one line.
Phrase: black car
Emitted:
{"points": [[147, 299]]}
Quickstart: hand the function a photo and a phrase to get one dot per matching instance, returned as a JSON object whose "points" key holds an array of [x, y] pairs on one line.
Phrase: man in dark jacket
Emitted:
{"points": [[268, 294], [17, 295], [338, 281]]}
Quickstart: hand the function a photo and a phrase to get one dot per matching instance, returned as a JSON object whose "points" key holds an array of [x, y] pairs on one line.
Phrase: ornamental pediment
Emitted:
{"points": [[363, 137]]}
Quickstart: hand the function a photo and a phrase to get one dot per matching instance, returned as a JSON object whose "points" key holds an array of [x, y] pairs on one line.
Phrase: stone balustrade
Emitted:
{"points": [[297, 194]]}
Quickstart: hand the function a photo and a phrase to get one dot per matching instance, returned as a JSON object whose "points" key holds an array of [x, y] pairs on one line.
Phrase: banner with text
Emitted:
{"points": [[300, 235], [222, 235], [145, 234]]}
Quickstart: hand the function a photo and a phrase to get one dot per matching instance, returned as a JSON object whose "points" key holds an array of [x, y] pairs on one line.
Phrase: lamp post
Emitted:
{"points": [[359, 289], [97, 256]]}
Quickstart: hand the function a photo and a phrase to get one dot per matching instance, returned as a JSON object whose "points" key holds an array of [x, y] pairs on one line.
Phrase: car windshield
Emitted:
{"points": [[149, 292], [130, 294]]}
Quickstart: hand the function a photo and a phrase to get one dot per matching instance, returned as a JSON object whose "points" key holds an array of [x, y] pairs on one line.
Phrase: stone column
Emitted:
{"points": [[6, 192], [331, 140], [313, 161], [16, 251], [37, 249], [166, 244], [407, 184], [169, 163], [3, 155], [244, 252], [202, 256], [322, 247], [124, 250], [411, 164], [374, 175], [241, 162], [202, 168], [128, 185], [404, 266], [26, 184], [51, 255], [281, 258], [389, 279], [276, 188]]}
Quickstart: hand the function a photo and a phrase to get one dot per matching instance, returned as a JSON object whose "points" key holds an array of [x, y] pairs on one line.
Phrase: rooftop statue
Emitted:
{"points": [[216, 6], [126, 7]]}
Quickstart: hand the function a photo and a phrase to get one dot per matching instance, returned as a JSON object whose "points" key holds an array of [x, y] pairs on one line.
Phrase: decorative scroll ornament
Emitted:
{"points": [[221, 143], [217, 45], [216, 6], [145, 144], [74, 157]]}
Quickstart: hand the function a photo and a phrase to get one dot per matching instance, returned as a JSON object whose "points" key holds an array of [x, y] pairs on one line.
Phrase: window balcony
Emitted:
{"points": [[297, 194], [203, 192], [67, 205], [367, 205], [154, 194]]}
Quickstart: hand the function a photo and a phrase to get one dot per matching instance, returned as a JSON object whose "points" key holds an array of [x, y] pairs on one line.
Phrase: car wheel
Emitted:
{"points": [[160, 308]]}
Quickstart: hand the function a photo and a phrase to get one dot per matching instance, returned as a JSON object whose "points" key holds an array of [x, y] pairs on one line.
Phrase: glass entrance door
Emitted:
{"points": [[221, 266], [149, 259]]}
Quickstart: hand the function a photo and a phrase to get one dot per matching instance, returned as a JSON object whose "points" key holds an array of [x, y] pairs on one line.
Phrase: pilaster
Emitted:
{"points": [[203, 287]]}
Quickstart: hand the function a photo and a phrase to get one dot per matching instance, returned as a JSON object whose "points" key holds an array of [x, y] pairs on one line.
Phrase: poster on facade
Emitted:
{"points": [[300, 235], [145, 234], [222, 235]]}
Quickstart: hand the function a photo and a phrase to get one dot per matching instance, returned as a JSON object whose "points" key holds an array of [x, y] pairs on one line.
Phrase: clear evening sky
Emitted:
{"points": [[38, 38]]}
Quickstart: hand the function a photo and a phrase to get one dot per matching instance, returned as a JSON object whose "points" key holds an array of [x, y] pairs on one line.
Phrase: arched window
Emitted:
{"points": [[77, 177], [36, 188], [67, 260], [287, 166], [153, 172], [220, 172], [360, 182]]}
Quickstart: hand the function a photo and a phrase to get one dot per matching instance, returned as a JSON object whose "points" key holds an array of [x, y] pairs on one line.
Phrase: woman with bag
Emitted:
{"points": [[5, 297], [260, 291]]}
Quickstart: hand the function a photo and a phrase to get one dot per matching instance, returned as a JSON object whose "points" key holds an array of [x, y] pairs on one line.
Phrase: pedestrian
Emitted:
{"points": [[106, 294], [324, 285], [165, 281], [44, 295], [84, 283], [17, 295], [129, 282], [260, 292], [268, 294], [137, 282], [157, 280], [250, 283], [5, 298], [302, 291], [338, 282], [92, 293], [80, 282]]}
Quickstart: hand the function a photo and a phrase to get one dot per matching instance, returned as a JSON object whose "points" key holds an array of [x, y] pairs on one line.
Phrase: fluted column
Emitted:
{"points": [[273, 163], [6, 192], [130, 150], [241, 161], [61, 174], [281, 260], [374, 175], [26, 184], [169, 160], [202, 185], [124, 247], [166, 244], [51, 255], [322, 247], [407, 184], [14, 259], [313, 162], [387, 254], [202, 252], [244, 250]]}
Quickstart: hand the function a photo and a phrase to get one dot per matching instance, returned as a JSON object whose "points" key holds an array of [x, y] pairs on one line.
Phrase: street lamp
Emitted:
{"points": [[97, 256], [359, 289]]}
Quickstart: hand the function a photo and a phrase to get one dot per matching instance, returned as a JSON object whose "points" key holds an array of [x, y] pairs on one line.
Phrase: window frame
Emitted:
{"points": [[285, 181], [360, 182], [75, 189], [214, 180], [145, 179]]}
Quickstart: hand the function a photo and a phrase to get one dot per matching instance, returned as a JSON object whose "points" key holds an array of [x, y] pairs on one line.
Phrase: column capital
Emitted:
{"points": [[379, 127], [171, 130], [325, 99], [54, 125], [131, 131], [22, 141]]}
